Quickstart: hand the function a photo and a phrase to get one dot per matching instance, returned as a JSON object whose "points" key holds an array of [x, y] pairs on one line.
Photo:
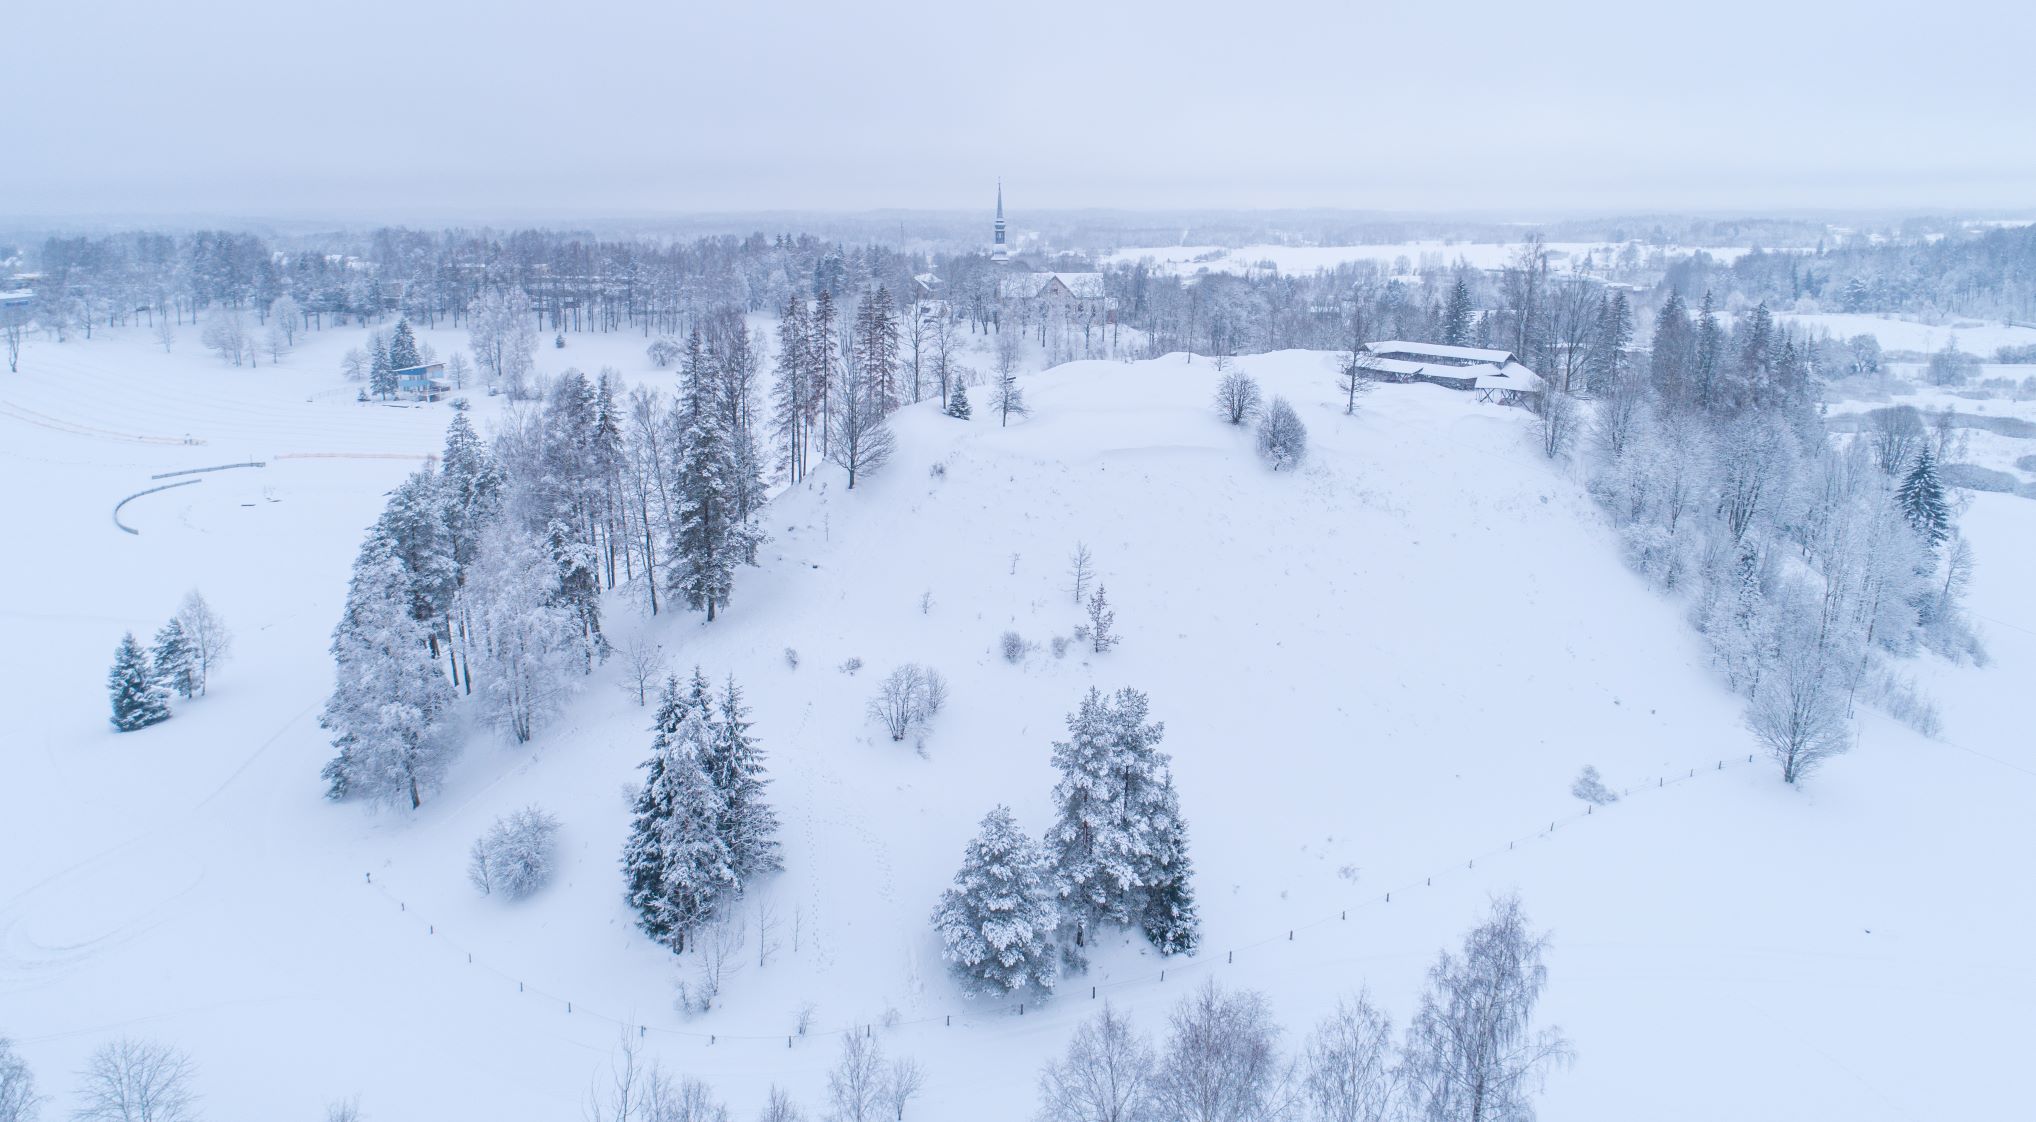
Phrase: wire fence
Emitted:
{"points": [[1176, 969]]}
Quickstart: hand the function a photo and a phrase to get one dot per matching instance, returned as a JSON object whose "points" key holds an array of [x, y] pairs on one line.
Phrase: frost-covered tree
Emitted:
{"points": [[733, 761], [501, 328], [1104, 1076], [1081, 569], [1798, 711], [1007, 397], [856, 1085], [1922, 500], [389, 701], [1282, 438], [997, 924], [170, 660], [1472, 1053], [1348, 1073], [226, 333], [677, 866], [709, 537], [403, 352], [1457, 315], [138, 698], [908, 699], [1221, 1062], [528, 643], [381, 372], [210, 641], [1591, 788], [1101, 621], [860, 440], [957, 402], [1118, 843], [133, 1080], [515, 856], [1237, 397]]}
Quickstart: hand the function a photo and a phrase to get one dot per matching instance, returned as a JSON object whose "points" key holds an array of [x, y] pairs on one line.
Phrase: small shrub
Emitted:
{"points": [[938, 470], [850, 666], [791, 658], [1012, 646], [1282, 438], [515, 856], [1592, 789], [1060, 646]]}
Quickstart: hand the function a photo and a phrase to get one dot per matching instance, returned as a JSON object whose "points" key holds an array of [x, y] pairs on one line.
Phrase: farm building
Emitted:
{"points": [[1494, 375]]}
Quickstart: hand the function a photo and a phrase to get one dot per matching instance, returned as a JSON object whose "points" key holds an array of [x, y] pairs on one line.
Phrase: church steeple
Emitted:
{"points": [[999, 253]]}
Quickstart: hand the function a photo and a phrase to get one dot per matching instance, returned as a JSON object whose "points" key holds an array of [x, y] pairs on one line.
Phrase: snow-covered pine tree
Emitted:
{"points": [[1456, 315], [138, 699], [403, 353], [1922, 500], [790, 415], [1119, 845], [677, 866], [998, 923], [170, 660], [389, 698], [958, 402], [381, 374], [735, 763], [413, 523], [706, 542]]}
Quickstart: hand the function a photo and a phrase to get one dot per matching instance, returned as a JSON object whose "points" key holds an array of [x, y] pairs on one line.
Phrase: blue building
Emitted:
{"points": [[426, 381]]}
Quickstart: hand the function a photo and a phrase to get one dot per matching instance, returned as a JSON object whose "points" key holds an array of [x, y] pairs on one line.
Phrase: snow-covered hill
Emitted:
{"points": [[1378, 674]]}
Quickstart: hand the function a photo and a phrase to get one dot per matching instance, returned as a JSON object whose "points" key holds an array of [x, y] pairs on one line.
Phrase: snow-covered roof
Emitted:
{"points": [[1511, 376], [1083, 286], [1508, 375], [19, 296], [1437, 351]]}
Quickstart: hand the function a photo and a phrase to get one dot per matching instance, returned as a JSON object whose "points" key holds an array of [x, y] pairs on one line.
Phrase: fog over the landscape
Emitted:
{"points": [[530, 110]]}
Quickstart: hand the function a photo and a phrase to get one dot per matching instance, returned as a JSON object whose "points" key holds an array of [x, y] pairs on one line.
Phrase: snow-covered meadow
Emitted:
{"points": [[1187, 260], [1379, 674]]}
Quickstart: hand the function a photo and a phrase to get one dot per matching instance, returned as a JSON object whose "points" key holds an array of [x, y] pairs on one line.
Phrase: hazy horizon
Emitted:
{"points": [[630, 111]]}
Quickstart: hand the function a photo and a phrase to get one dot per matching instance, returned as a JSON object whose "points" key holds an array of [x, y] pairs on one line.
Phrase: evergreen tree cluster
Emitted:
{"points": [[178, 663], [701, 830], [1115, 855]]}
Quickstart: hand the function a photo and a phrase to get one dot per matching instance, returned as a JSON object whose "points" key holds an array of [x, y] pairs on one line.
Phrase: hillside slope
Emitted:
{"points": [[1376, 670]]}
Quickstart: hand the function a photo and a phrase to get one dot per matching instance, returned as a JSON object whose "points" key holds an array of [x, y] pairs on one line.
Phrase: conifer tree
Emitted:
{"points": [[381, 373], [389, 699], [138, 699], [1922, 500], [1456, 315], [998, 922], [958, 403], [822, 364], [790, 413], [734, 763], [170, 660], [707, 540], [1101, 620], [403, 353], [676, 865]]}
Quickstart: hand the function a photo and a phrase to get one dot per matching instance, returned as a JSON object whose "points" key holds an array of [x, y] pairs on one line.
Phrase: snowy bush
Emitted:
{"points": [[791, 658], [1237, 397], [1592, 789], [908, 699], [515, 856], [1282, 438], [1060, 646], [1897, 695], [1012, 646], [849, 666]]}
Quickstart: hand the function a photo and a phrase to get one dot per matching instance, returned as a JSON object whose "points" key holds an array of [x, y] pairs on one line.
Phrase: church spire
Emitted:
{"points": [[998, 251]]}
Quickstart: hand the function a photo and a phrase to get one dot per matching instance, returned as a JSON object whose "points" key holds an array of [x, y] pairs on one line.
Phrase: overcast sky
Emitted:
{"points": [[490, 109]]}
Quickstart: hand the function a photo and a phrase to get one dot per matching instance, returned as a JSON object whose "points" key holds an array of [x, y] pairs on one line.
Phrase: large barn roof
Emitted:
{"points": [[1460, 356]]}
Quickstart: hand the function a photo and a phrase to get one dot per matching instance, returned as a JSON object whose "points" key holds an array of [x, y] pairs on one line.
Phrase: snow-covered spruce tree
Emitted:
{"points": [[528, 643], [1237, 397], [1101, 620], [381, 372], [413, 523], [403, 352], [958, 402], [708, 540], [734, 762], [138, 699], [515, 856], [389, 698], [998, 922], [170, 660], [209, 639], [1282, 438], [677, 866], [1922, 500], [1119, 846]]}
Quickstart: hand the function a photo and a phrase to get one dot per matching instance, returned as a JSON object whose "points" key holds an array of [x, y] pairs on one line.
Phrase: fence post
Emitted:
{"points": [[1092, 993], [1389, 897], [569, 1006], [1231, 957]]}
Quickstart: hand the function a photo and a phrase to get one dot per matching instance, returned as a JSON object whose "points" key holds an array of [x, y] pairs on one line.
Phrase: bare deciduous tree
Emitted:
{"points": [[1348, 1070], [903, 1084], [1081, 569], [18, 1100], [1105, 1076], [137, 1081], [856, 1088], [908, 699], [643, 666], [1237, 397], [1798, 712], [210, 640], [1221, 1063]]}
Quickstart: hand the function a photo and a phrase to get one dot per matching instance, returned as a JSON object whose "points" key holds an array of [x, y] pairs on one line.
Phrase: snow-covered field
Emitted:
{"points": [[1187, 260], [1380, 669], [1972, 336]]}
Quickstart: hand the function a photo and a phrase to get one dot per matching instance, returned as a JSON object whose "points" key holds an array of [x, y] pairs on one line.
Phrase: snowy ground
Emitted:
{"points": [[1190, 259], [1380, 669], [1972, 336]]}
